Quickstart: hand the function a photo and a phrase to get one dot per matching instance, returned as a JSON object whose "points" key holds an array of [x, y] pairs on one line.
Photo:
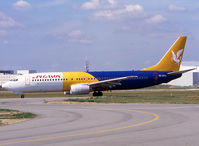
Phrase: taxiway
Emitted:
{"points": [[101, 124]]}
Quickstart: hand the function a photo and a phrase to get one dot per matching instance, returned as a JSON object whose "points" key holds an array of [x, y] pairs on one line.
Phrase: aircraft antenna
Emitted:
{"points": [[87, 65]]}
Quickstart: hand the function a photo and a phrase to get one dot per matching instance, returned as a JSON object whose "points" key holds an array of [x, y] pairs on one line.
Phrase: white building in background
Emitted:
{"points": [[187, 79], [9, 74], [21, 72], [6, 77]]}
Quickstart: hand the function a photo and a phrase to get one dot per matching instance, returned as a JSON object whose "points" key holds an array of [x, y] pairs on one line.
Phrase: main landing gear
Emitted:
{"points": [[99, 93], [22, 96]]}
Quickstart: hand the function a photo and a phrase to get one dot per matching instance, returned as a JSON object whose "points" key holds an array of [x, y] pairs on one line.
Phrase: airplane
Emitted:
{"points": [[76, 83]]}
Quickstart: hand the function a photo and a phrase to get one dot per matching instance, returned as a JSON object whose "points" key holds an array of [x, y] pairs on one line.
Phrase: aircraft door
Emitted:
{"points": [[27, 80]]}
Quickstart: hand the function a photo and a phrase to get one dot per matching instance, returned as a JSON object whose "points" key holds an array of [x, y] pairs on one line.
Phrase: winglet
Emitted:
{"points": [[172, 59]]}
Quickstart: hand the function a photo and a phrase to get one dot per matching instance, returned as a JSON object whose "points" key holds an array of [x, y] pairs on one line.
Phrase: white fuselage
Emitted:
{"points": [[39, 82]]}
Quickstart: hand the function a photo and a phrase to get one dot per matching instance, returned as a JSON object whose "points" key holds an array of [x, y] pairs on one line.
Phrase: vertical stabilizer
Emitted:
{"points": [[172, 59]]}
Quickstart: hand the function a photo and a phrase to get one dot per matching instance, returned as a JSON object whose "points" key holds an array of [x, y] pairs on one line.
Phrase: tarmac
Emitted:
{"points": [[101, 124]]}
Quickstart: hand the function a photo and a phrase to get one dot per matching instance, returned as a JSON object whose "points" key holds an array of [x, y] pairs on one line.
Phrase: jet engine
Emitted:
{"points": [[79, 89]]}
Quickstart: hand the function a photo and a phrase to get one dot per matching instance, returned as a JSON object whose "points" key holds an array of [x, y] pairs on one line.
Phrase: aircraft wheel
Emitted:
{"points": [[99, 93], [22, 96], [94, 93]]}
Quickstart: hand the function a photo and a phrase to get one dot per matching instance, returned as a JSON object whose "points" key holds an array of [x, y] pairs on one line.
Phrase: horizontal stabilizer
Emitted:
{"points": [[180, 72]]}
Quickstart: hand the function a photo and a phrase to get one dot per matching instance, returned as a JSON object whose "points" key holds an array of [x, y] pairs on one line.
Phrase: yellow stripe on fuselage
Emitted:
{"points": [[72, 78]]}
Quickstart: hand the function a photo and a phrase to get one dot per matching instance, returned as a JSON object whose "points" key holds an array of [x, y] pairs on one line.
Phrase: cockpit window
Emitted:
{"points": [[14, 80]]}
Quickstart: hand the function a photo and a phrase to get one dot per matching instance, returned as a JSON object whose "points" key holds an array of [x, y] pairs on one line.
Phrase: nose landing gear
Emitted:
{"points": [[22, 96]]}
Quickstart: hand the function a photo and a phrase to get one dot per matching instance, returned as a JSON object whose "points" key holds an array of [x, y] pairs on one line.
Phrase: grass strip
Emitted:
{"points": [[6, 110], [132, 96], [14, 114], [150, 97], [17, 116]]}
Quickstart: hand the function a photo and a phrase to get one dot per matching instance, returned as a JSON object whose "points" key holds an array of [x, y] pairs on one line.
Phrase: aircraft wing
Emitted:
{"points": [[107, 84]]}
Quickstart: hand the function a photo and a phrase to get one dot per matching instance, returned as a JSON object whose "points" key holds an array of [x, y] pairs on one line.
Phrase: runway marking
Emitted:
{"points": [[156, 117]]}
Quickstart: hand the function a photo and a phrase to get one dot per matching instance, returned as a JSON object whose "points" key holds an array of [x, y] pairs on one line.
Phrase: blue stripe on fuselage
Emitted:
{"points": [[144, 78]]}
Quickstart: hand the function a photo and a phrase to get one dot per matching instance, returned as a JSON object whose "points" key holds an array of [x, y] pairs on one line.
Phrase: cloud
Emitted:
{"points": [[98, 4], [110, 10], [93, 4], [85, 41], [112, 2], [128, 10], [6, 22], [176, 8], [3, 33], [76, 33], [5, 42], [22, 5], [132, 17], [53, 3], [156, 19], [76, 36]]}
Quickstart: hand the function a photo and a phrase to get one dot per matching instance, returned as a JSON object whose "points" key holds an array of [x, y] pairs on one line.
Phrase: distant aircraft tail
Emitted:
{"points": [[172, 59]]}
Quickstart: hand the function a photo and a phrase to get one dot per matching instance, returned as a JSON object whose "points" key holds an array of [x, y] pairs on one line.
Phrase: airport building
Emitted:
{"points": [[190, 78], [6, 75], [22, 72]]}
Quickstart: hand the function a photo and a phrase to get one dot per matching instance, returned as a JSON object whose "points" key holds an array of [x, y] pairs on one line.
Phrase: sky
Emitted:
{"points": [[60, 35]]}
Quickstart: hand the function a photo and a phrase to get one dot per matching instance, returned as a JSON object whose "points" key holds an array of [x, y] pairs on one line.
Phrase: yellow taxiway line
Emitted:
{"points": [[156, 117]]}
